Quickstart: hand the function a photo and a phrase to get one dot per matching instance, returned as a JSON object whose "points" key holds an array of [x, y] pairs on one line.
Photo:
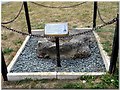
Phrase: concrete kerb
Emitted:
{"points": [[51, 75], [38, 32], [31, 75], [75, 75], [105, 57]]}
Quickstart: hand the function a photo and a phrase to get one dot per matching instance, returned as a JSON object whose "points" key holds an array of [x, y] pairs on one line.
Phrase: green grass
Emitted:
{"points": [[105, 82], [75, 26], [110, 80], [18, 41], [7, 50], [99, 86], [106, 39], [73, 86], [106, 46]]}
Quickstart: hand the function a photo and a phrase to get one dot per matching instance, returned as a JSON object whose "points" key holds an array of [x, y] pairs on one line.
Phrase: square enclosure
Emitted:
{"points": [[26, 64]]}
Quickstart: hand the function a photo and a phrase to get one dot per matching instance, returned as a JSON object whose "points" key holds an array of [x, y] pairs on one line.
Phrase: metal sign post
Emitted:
{"points": [[56, 30], [58, 51]]}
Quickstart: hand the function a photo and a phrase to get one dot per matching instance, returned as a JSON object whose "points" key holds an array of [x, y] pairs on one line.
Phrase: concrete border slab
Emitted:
{"points": [[31, 75], [75, 75], [37, 31]]}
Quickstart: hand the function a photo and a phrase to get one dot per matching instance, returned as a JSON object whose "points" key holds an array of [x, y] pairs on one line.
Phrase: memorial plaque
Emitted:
{"points": [[56, 29]]}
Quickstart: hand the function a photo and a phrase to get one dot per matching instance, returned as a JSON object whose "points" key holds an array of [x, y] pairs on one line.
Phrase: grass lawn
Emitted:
{"points": [[76, 17]]}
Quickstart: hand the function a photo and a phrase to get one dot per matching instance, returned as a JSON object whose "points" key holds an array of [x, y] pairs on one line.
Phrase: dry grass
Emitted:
{"points": [[80, 16]]}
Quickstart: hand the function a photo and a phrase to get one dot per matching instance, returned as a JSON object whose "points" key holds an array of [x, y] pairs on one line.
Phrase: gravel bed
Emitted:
{"points": [[29, 62]]}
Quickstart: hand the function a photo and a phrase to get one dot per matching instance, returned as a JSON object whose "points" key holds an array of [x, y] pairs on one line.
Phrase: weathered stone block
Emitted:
{"points": [[75, 47]]}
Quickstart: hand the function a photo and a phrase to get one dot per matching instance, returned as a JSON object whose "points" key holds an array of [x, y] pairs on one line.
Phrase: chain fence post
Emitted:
{"points": [[4, 67], [94, 14], [115, 48], [27, 17]]}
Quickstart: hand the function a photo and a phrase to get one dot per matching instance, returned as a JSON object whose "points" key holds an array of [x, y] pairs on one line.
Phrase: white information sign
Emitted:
{"points": [[56, 29]]}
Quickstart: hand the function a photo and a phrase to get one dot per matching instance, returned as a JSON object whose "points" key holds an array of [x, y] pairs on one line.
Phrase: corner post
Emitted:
{"points": [[115, 48], [4, 67], [27, 17], [94, 14]]}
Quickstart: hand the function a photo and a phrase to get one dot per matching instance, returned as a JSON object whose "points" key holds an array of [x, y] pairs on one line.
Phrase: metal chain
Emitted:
{"points": [[14, 17], [59, 6], [79, 33], [99, 14], [107, 23], [98, 27], [23, 33]]}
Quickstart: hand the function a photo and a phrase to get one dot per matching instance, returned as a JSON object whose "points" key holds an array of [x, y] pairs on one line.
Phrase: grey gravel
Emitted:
{"points": [[29, 62]]}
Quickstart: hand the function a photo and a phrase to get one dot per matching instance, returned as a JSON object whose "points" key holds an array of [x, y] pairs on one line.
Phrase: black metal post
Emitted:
{"points": [[4, 68], [115, 48], [27, 17], [94, 14], [58, 51]]}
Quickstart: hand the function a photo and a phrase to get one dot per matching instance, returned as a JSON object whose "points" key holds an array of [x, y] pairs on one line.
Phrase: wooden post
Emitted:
{"points": [[115, 48], [94, 14], [58, 51], [27, 17], [4, 67]]}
